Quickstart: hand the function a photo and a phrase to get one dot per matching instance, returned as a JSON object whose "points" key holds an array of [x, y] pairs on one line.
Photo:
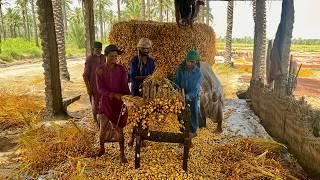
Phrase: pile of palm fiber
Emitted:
{"points": [[170, 43]]}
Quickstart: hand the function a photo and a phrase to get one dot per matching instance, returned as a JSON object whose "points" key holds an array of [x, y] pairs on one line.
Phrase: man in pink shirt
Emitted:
{"points": [[89, 77], [112, 83]]}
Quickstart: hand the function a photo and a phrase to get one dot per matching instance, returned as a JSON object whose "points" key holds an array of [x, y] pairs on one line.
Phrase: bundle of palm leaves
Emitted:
{"points": [[170, 43]]}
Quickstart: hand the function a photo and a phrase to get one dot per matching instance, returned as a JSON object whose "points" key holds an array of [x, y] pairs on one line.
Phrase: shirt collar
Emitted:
{"points": [[193, 70]]}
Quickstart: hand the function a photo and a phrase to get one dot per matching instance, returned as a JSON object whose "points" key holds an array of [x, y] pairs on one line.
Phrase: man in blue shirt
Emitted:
{"points": [[189, 78], [141, 65]]}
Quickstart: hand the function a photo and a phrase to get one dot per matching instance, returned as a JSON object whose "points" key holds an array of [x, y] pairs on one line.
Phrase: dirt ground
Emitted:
{"points": [[28, 79]]}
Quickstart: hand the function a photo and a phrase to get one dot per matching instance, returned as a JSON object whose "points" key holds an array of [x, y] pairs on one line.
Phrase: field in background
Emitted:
{"points": [[20, 48], [15, 49], [238, 77], [246, 44]]}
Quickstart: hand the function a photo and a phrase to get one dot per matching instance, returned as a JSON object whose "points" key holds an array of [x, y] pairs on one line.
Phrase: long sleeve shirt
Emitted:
{"points": [[110, 83], [190, 81], [89, 75], [137, 70]]}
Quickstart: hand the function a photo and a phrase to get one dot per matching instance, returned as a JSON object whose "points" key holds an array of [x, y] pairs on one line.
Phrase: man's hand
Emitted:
{"points": [[188, 99]]}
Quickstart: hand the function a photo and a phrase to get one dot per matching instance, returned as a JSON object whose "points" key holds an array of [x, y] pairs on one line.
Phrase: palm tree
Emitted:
{"points": [[110, 18], [282, 44], [54, 104], [118, 8], [148, 10], [23, 5], [66, 8], [132, 10], [143, 10], [59, 28], [100, 7], [1, 27], [13, 21], [259, 64], [161, 10], [207, 12], [228, 50], [27, 19], [76, 28], [160, 7], [89, 25], [203, 13], [35, 24]]}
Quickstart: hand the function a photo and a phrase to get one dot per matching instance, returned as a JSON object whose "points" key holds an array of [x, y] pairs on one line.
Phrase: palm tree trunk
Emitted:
{"points": [[2, 29], [259, 63], [254, 9], [54, 103], [35, 24], [58, 19], [101, 22], [24, 22], [148, 10], [161, 10], [27, 19], [203, 14], [143, 10], [207, 13], [283, 40], [89, 25], [228, 52], [11, 31], [167, 14], [1, 26], [118, 6], [15, 31], [105, 29], [65, 18]]}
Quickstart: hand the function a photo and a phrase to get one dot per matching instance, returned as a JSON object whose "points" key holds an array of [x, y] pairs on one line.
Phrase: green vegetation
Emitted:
{"points": [[246, 44], [20, 48], [19, 26]]}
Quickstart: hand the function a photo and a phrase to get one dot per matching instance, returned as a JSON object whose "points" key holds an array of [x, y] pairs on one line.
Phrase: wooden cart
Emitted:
{"points": [[168, 137]]}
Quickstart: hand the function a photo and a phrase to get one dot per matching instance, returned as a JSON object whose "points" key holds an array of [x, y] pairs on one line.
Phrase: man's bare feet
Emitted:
{"points": [[218, 131], [101, 152], [193, 135], [123, 159]]}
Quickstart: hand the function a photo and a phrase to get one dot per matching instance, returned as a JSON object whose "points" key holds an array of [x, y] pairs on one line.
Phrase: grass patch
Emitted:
{"points": [[19, 48], [74, 51]]}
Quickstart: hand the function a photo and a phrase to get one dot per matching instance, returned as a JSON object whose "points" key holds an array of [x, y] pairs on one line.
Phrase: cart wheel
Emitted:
{"points": [[137, 152]]}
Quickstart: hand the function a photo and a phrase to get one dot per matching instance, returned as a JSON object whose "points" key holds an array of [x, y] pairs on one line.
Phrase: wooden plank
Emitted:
{"points": [[157, 136]]}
